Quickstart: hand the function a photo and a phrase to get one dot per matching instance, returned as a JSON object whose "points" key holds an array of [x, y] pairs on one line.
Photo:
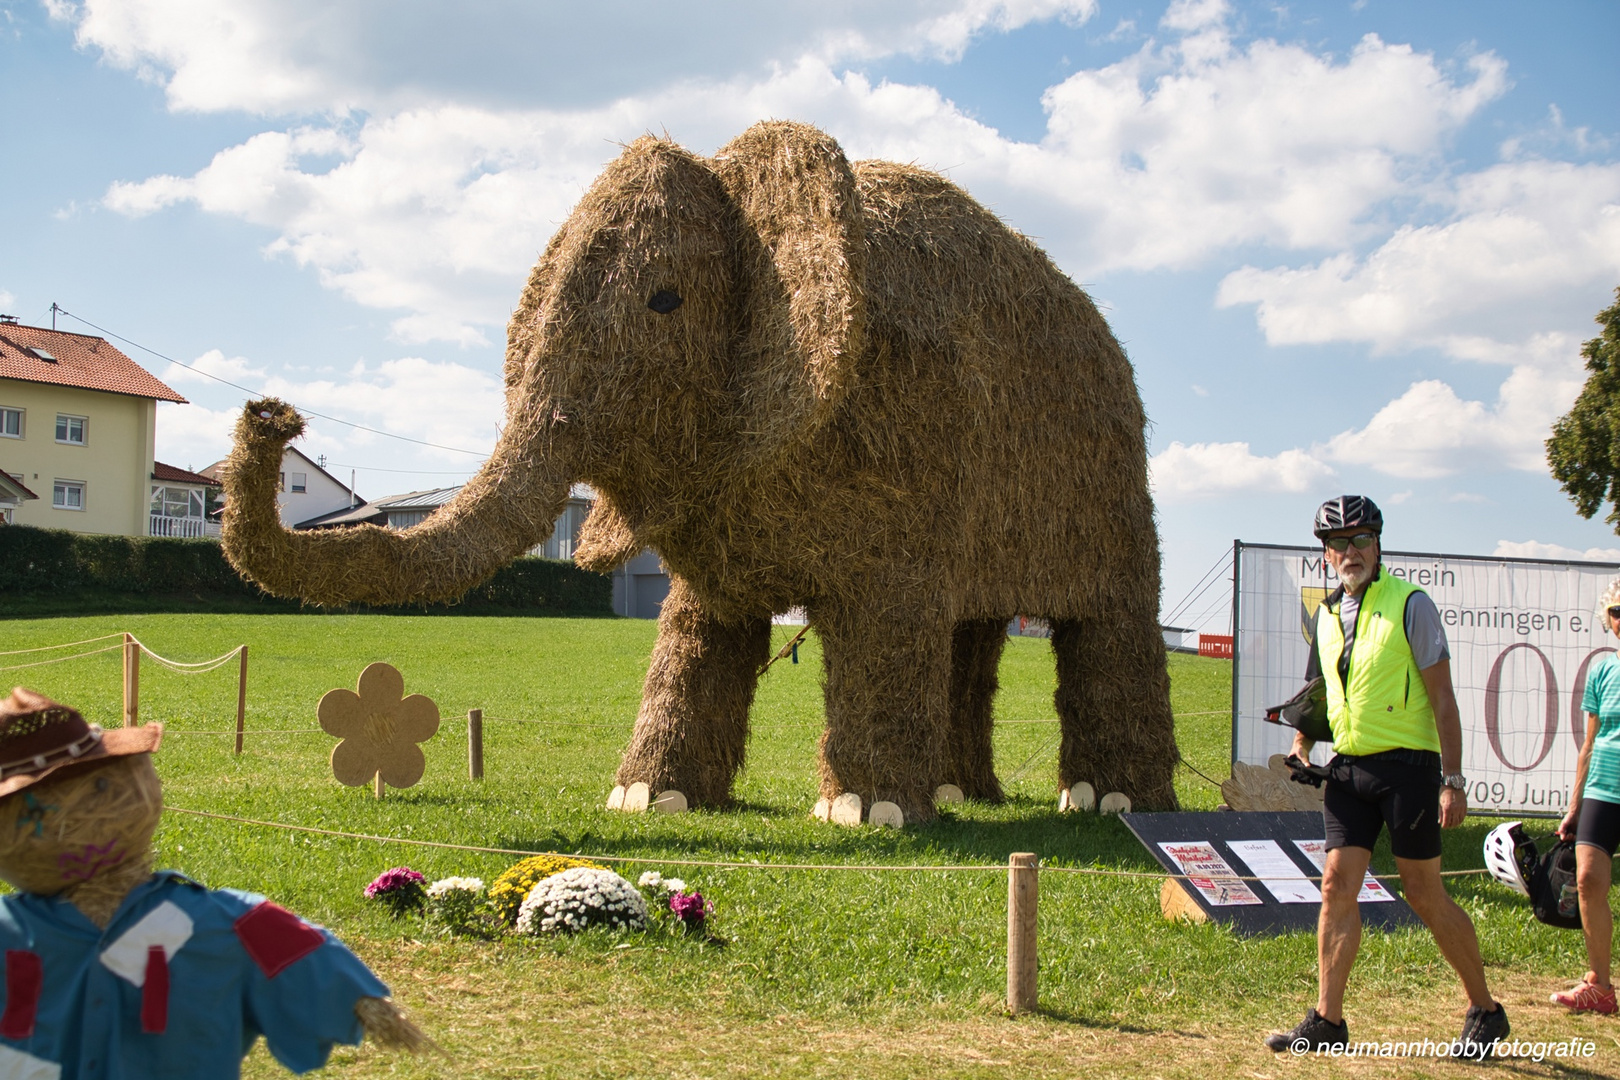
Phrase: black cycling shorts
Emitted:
{"points": [[1400, 789], [1598, 825]]}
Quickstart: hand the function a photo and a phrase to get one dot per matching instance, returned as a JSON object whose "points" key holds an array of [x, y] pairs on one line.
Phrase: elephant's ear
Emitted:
{"points": [[606, 540], [803, 270]]}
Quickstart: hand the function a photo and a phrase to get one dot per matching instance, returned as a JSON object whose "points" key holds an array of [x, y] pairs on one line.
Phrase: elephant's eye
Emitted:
{"points": [[664, 301]]}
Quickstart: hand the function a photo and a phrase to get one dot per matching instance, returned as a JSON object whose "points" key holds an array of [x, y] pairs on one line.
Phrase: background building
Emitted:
{"points": [[77, 424]]}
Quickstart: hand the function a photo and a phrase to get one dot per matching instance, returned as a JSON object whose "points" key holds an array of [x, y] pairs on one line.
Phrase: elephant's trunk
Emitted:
{"points": [[511, 505]]}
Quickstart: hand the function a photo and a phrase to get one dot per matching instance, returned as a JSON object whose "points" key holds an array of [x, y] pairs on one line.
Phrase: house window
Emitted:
{"points": [[68, 495], [70, 430], [11, 425], [282, 486], [177, 502], [300, 481]]}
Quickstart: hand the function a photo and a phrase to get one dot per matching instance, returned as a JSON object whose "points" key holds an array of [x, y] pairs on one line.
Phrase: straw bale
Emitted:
{"points": [[106, 810], [976, 647], [875, 401], [388, 1026], [692, 732]]}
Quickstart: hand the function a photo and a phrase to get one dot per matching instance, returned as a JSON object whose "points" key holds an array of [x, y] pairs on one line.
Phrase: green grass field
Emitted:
{"points": [[825, 973]]}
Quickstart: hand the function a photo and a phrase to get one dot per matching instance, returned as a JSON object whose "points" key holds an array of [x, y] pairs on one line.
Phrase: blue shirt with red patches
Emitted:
{"points": [[180, 984]]}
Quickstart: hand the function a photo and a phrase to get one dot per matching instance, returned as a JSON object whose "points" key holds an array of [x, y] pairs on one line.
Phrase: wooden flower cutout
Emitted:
{"points": [[380, 729]]}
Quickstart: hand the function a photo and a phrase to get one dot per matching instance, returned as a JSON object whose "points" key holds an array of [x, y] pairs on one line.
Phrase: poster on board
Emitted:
{"points": [[1523, 633]]}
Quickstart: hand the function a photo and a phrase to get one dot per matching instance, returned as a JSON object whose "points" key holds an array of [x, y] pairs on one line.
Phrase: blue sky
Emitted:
{"points": [[1349, 246]]}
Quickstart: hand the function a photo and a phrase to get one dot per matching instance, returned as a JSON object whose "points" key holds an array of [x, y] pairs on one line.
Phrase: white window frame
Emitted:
{"points": [[300, 482], [179, 503], [20, 414], [65, 420], [60, 487]]}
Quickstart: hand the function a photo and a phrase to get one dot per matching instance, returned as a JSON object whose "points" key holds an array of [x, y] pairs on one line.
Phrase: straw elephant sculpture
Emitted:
{"points": [[804, 382]]}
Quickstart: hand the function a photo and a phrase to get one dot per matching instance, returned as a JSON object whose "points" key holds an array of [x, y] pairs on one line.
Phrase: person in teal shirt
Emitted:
{"points": [[1593, 821]]}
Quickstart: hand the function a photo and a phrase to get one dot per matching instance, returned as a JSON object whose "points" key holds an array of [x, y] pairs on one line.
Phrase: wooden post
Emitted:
{"points": [[378, 781], [475, 744], [132, 680], [241, 701], [1023, 893]]}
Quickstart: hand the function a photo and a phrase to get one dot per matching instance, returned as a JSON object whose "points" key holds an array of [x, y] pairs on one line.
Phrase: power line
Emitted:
{"points": [[56, 308], [417, 472], [1207, 582]]}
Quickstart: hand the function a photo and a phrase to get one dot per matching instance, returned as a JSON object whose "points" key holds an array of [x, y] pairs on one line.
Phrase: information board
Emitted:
{"points": [[1523, 633], [1219, 853]]}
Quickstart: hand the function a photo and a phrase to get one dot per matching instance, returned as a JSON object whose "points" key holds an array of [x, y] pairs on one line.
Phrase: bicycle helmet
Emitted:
{"points": [[1510, 856], [1348, 512], [1554, 897]]}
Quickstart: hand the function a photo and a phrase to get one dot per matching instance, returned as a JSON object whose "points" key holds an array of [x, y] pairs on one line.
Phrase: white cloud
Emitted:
{"points": [[450, 404], [313, 56], [1157, 161], [1171, 154], [1202, 470], [193, 436], [1536, 549], [236, 369], [6, 299], [1530, 244], [1430, 432], [1189, 15]]}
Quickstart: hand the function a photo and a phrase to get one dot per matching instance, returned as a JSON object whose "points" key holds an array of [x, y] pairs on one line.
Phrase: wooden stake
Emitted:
{"points": [[379, 782], [475, 743], [132, 680], [1023, 894], [241, 701]]}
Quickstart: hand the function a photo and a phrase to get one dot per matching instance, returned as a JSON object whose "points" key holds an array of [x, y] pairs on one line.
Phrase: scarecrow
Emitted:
{"points": [[114, 970]]}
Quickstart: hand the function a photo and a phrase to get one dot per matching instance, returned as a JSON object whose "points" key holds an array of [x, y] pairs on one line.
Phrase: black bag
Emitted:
{"points": [[1552, 887], [1306, 712]]}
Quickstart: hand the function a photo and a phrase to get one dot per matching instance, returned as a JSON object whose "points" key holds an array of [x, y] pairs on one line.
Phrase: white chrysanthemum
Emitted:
{"points": [[580, 897], [650, 880], [457, 884], [674, 884]]}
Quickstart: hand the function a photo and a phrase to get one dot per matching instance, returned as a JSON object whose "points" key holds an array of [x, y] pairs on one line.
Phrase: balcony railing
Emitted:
{"points": [[189, 528]]}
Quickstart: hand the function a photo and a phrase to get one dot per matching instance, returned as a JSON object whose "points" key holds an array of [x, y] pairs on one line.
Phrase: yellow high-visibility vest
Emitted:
{"points": [[1386, 706]]}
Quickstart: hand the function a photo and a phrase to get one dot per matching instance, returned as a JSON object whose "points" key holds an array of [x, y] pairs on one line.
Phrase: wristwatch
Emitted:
{"points": [[1455, 780]]}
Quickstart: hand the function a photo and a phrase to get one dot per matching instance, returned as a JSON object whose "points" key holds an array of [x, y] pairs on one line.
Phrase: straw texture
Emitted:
{"points": [[84, 833], [874, 400]]}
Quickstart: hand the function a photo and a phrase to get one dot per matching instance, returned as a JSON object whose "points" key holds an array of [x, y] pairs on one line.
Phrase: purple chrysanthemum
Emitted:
{"points": [[401, 888], [690, 908]]}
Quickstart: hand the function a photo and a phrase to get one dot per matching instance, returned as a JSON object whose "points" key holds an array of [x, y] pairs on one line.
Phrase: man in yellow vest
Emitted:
{"points": [[1397, 739]]}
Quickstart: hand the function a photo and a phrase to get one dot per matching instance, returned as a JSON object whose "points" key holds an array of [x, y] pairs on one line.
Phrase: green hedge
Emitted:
{"points": [[57, 563]]}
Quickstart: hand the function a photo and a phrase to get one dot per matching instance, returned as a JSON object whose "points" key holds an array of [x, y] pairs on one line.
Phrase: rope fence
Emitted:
{"points": [[133, 647], [1023, 882], [722, 864], [50, 648]]}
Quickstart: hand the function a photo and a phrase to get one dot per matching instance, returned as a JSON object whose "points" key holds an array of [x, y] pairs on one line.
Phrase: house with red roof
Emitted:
{"points": [[78, 421]]}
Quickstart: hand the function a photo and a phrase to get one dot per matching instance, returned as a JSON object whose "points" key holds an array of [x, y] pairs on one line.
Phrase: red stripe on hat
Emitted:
{"points": [[155, 992], [25, 977]]}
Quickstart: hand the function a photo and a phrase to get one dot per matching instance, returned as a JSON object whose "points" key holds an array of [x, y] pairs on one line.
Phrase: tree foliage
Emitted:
{"points": [[1584, 450]]}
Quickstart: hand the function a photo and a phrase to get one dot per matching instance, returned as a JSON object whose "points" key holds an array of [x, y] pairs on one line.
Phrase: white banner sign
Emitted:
{"points": [[1523, 633]]}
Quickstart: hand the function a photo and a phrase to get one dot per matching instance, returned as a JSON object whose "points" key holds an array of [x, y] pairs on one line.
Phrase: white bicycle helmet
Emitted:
{"points": [[1510, 856]]}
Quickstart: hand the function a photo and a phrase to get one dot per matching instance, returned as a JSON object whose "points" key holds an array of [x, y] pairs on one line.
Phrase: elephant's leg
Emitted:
{"points": [[692, 730], [887, 707], [975, 655], [1113, 701]]}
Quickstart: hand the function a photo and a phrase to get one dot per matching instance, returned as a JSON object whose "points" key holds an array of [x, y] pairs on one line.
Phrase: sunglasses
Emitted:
{"points": [[1614, 612], [1363, 541]]}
